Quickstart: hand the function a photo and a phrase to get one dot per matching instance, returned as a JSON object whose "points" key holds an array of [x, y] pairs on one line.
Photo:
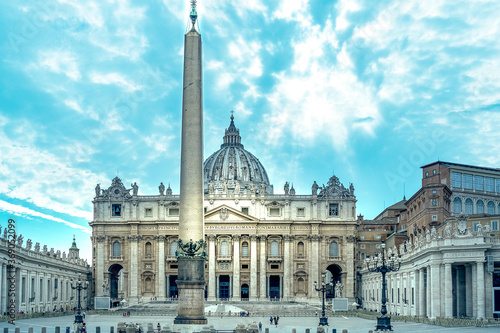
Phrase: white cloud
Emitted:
{"points": [[114, 78], [60, 62], [24, 211], [292, 10]]}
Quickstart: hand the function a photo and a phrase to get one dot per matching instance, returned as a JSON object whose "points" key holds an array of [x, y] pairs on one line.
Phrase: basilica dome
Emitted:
{"points": [[232, 168]]}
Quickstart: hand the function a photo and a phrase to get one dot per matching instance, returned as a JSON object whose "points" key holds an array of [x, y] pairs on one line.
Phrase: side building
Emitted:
{"points": [[261, 246], [449, 242], [42, 277]]}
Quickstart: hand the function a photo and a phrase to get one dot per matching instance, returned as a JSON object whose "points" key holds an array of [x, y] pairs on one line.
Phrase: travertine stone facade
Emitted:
{"points": [[260, 245]]}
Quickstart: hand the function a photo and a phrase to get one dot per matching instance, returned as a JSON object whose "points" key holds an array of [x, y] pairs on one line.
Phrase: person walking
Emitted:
{"points": [[271, 320], [260, 326]]}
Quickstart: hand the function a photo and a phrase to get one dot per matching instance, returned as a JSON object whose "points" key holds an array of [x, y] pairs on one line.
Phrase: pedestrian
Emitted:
{"points": [[277, 320], [271, 320], [158, 327], [83, 314], [84, 328], [260, 326], [316, 313], [221, 315]]}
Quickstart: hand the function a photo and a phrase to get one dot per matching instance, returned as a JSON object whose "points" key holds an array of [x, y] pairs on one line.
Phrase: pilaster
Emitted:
{"points": [[480, 291], [253, 268], [161, 293], [236, 267], [100, 255], [211, 268], [286, 266], [448, 291], [263, 266]]}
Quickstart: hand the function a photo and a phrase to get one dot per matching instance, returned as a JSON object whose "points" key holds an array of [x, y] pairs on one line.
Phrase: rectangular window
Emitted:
{"points": [[498, 185], [275, 266], [244, 266], [434, 217], [333, 209], [301, 212], [467, 179], [378, 237], [41, 290], [173, 266], [55, 283], [479, 183], [173, 212], [426, 174], [456, 179], [274, 212], [23, 290], [116, 210], [475, 224], [148, 212], [489, 184], [494, 225], [362, 256], [244, 210], [434, 171], [434, 202], [362, 237]]}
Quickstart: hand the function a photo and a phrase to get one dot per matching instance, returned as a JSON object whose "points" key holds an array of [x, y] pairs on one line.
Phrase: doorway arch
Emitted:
{"points": [[333, 275], [114, 285]]}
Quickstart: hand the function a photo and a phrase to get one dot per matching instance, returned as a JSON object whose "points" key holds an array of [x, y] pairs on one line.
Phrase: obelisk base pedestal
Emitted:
{"points": [[191, 286]]}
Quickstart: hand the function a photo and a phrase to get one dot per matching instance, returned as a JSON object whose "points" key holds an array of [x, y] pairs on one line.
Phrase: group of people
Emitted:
{"points": [[274, 320], [126, 314]]}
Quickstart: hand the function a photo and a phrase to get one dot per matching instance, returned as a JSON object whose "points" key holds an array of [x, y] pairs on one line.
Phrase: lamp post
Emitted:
{"points": [[79, 286], [323, 321], [384, 265]]}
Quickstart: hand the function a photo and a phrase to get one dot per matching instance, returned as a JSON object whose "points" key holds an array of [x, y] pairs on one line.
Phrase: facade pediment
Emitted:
{"points": [[226, 213]]}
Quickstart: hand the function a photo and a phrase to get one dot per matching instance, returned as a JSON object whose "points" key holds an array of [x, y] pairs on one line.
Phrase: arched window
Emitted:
{"points": [[468, 206], [491, 208], [457, 205], [244, 249], [274, 249], [148, 249], [300, 249], [479, 207], [334, 249], [173, 248], [117, 249], [224, 248]]}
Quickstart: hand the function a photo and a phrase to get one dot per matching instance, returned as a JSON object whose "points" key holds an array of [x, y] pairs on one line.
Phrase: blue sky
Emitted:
{"points": [[370, 90]]}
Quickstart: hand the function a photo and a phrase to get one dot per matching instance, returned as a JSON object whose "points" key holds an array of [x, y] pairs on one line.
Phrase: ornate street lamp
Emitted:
{"points": [[323, 321], [79, 286], [384, 265]]}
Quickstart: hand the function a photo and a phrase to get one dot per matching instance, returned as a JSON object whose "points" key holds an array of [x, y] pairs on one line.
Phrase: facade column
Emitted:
{"points": [[161, 268], [99, 272], [480, 291], [348, 257], [435, 292], [253, 268], [448, 291], [263, 268], [314, 270], [286, 267], [134, 267], [428, 293], [236, 267], [211, 268]]}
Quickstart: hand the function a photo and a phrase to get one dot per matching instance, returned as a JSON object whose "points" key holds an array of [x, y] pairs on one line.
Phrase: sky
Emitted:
{"points": [[367, 90]]}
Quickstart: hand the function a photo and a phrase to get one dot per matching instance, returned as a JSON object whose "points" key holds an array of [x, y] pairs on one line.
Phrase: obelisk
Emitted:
{"points": [[192, 247]]}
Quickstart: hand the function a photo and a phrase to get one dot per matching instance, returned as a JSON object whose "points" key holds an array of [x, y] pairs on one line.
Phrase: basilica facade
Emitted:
{"points": [[260, 245]]}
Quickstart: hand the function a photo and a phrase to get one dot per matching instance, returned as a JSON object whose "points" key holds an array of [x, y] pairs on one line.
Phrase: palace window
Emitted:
{"points": [[480, 207], [148, 212], [116, 210], [491, 208], [244, 249], [457, 205], [494, 225], [334, 249], [479, 183], [498, 185], [244, 210], [117, 249], [333, 209], [456, 179], [300, 249], [148, 250], [173, 212], [426, 174], [434, 171], [434, 217], [274, 249], [468, 206], [434, 202], [173, 248], [274, 212], [489, 184], [467, 179], [476, 226]]}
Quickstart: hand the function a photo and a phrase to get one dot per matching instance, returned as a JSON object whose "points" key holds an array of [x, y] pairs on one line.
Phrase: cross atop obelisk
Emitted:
{"points": [[192, 247]]}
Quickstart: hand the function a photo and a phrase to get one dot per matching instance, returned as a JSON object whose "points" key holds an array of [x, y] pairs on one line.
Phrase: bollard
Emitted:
{"points": [[308, 330], [97, 329], [111, 329], [30, 329], [67, 329], [345, 331], [5, 330], [44, 329], [334, 330], [370, 331], [294, 330], [57, 329], [150, 328], [18, 330], [267, 330], [320, 329]]}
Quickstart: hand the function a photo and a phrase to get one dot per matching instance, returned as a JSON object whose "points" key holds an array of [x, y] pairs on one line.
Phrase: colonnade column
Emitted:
{"points": [[99, 272], [468, 290], [263, 266], [480, 290], [161, 268], [211, 268], [253, 268], [448, 291], [134, 285], [236, 267], [286, 266], [435, 291]]}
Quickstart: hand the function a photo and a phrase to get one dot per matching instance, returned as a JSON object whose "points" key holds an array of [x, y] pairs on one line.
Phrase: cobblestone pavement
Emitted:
{"points": [[353, 324]]}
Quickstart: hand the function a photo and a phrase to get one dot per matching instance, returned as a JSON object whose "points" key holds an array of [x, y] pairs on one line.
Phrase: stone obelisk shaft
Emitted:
{"points": [[191, 275]]}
